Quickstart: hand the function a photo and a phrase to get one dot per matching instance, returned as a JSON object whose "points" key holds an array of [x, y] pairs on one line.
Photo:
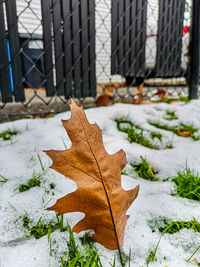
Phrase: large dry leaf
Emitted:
{"points": [[98, 175]]}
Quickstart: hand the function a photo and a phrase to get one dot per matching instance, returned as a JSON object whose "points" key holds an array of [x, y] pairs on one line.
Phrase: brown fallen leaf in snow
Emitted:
{"points": [[137, 100], [98, 176], [138, 93], [161, 92], [106, 98], [184, 133], [42, 116], [146, 102]]}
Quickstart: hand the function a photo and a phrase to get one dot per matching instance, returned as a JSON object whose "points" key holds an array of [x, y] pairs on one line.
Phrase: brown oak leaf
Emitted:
{"points": [[104, 100], [184, 133], [98, 176], [138, 93], [107, 98]]}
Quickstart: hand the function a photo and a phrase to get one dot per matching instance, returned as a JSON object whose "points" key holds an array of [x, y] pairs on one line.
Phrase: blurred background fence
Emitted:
{"points": [[51, 50]]}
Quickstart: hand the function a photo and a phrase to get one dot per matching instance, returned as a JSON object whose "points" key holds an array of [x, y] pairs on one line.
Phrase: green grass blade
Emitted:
{"points": [[3, 179], [193, 253], [152, 254], [42, 166]]}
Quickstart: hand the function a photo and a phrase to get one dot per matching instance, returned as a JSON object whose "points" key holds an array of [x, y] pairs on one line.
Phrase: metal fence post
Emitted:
{"points": [[194, 68]]}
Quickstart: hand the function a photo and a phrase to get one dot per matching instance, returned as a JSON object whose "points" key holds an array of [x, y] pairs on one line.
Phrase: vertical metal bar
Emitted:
{"points": [[58, 47], [121, 36], [4, 64], [84, 48], [127, 35], [47, 40], [141, 38], [66, 13], [15, 50], [114, 27], [138, 38], [76, 46], [91, 40], [160, 37], [132, 46], [194, 67]]}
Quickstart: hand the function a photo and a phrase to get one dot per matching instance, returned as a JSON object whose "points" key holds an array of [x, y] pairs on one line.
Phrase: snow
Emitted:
{"points": [[19, 158]]}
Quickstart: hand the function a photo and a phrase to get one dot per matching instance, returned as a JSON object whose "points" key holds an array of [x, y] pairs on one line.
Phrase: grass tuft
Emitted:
{"points": [[178, 128], [169, 146], [124, 173], [162, 126], [41, 229], [126, 258], [79, 257], [187, 128], [34, 181], [52, 185], [8, 134], [144, 170], [170, 115], [172, 99], [156, 135], [188, 184], [3, 179], [152, 254], [87, 257], [135, 133], [26, 221], [165, 225]]}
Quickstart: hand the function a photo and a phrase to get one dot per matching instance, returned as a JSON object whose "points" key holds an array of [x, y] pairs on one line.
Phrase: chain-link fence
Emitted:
{"points": [[55, 49]]}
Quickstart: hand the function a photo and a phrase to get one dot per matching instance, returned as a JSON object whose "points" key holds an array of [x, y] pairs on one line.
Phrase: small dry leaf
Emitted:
{"points": [[146, 102], [138, 100], [106, 98], [140, 90], [195, 260], [175, 101], [161, 92], [43, 116], [187, 53], [184, 133], [98, 175]]}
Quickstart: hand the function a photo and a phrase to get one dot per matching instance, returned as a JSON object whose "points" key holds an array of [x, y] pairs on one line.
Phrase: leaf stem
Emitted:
{"points": [[110, 209]]}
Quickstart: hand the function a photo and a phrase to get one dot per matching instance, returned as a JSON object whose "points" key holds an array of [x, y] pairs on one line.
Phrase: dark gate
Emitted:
{"points": [[66, 63], [129, 21], [169, 39], [73, 24]]}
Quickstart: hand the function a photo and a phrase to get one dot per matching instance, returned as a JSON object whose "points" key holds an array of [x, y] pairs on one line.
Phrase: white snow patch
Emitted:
{"points": [[19, 158]]}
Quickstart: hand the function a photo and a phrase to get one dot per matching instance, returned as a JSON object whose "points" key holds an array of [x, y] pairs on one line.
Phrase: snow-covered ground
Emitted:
{"points": [[19, 158]]}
